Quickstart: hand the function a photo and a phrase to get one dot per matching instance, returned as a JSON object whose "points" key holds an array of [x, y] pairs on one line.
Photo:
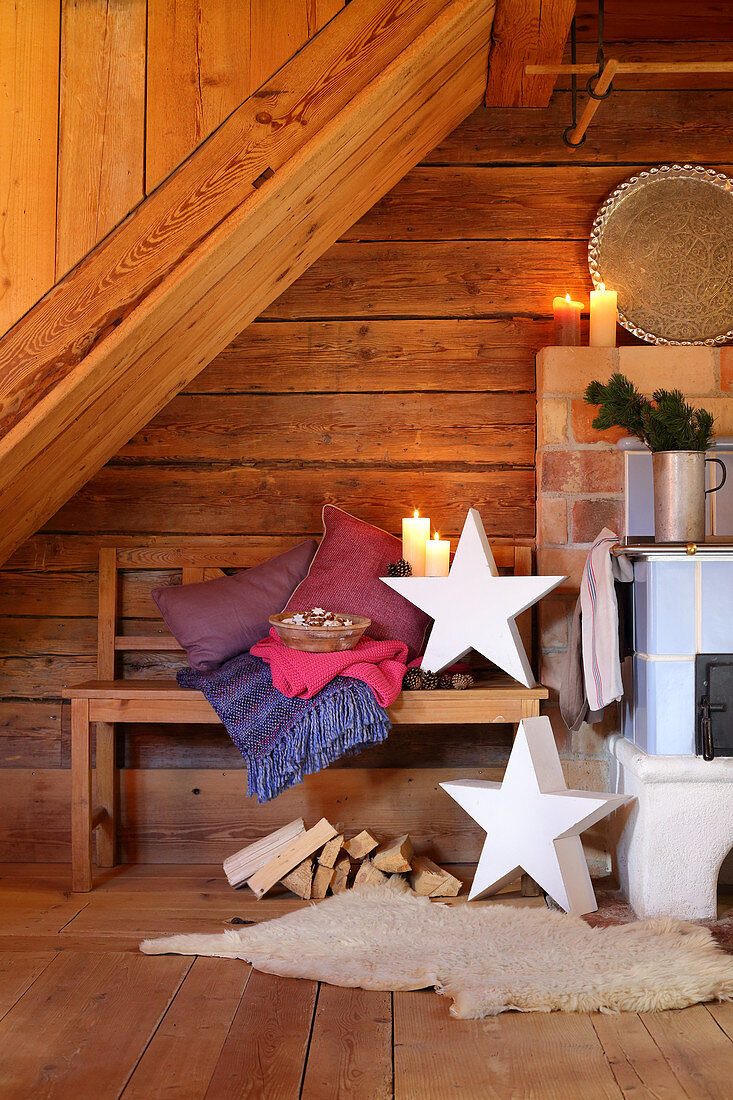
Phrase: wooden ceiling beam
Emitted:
{"points": [[526, 31], [283, 177]]}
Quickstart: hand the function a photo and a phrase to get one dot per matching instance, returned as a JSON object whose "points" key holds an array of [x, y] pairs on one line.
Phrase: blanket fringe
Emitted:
{"points": [[341, 725]]}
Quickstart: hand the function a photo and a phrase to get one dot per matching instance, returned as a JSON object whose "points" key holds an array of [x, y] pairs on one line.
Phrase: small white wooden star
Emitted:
{"points": [[533, 822], [473, 607]]}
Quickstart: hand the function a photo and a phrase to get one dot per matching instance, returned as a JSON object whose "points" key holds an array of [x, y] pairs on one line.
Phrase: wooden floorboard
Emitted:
{"points": [[41, 910], [131, 903], [180, 1060], [635, 1059], [723, 1016], [350, 1051], [83, 1014], [84, 1023], [555, 1056], [265, 1051], [17, 973], [698, 1051]]}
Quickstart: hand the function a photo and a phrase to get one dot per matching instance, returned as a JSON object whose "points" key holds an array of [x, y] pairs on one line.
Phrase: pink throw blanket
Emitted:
{"points": [[381, 665]]}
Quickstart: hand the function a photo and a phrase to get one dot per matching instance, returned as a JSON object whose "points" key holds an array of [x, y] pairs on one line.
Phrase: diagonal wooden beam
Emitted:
{"points": [[526, 31], [241, 219]]}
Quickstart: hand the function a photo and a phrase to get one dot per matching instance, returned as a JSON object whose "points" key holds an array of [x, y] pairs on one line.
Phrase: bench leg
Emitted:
{"points": [[106, 832], [81, 796], [529, 888], [530, 708]]}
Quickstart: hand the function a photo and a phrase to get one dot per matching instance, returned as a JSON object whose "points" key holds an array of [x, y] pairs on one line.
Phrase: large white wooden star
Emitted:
{"points": [[533, 822], [475, 608]]}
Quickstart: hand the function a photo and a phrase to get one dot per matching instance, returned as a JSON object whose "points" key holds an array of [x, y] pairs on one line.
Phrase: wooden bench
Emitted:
{"points": [[107, 700]]}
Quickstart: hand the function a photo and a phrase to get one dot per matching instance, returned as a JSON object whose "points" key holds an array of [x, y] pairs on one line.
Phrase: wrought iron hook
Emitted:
{"points": [[593, 80], [574, 93]]}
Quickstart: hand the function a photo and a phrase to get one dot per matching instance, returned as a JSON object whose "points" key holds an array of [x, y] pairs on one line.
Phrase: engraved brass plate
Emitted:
{"points": [[664, 241]]}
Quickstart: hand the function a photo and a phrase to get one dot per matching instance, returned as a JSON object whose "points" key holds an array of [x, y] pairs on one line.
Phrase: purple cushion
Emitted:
{"points": [[218, 619]]}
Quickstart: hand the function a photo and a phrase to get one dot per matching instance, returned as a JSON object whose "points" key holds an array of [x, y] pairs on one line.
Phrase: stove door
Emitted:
{"points": [[714, 704]]}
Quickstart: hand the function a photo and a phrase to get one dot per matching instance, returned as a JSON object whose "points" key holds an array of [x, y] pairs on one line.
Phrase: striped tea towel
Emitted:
{"points": [[599, 611]]}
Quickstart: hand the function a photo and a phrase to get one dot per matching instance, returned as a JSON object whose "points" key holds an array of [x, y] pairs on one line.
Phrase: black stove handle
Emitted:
{"points": [[706, 726]]}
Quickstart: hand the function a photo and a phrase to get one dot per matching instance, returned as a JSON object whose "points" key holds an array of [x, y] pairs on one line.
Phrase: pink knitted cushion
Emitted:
{"points": [[344, 576]]}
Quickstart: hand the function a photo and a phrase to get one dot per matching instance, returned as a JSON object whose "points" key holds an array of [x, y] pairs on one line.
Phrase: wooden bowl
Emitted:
{"points": [[319, 639]]}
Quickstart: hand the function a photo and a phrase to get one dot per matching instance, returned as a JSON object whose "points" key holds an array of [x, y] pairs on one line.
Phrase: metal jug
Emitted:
{"points": [[679, 495]]}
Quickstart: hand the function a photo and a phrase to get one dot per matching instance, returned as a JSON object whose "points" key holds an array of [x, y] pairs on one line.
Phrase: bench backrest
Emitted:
{"points": [[206, 562]]}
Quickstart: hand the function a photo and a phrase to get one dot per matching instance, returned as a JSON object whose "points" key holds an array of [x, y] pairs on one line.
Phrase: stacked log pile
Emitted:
{"points": [[315, 862]]}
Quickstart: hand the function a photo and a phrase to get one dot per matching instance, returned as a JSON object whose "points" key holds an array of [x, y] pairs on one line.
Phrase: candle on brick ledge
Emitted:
{"points": [[567, 321], [437, 556], [603, 317], [415, 533]]}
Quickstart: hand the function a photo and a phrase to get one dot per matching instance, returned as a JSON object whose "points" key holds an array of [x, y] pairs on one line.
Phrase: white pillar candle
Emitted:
{"points": [[415, 533], [437, 557], [603, 317]]}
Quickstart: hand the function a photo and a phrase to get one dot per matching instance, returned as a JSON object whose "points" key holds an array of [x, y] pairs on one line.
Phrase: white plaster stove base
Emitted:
{"points": [[671, 842]]}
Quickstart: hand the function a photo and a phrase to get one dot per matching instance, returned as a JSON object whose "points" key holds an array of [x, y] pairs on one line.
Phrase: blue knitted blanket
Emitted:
{"points": [[282, 740]]}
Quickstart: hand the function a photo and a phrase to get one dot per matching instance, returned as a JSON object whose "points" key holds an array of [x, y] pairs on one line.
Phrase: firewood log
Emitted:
{"points": [[360, 845], [321, 881], [432, 881], [329, 855], [368, 874], [394, 855], [341, 871], [300, 879], [242, 864], [290, 856]]}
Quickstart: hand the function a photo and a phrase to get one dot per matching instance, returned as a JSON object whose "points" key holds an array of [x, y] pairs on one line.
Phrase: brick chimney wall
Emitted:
{"points": [[580, 487]]}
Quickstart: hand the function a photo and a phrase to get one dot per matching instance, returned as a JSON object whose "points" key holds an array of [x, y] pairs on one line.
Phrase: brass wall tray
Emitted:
{"points": [[664, 241]]}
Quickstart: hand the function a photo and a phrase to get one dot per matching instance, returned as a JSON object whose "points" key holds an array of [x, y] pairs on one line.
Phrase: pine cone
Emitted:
{"points": [[445, 681], [399, 568], [430, 681], [462, 680], [412, 680]]}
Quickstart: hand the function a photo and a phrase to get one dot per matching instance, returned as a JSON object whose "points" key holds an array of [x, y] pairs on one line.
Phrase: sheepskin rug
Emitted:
{"points": [[487, 958]]}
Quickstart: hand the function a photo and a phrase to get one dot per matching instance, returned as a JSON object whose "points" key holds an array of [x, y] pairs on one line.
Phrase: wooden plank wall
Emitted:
{"points": [[29, 109], [101, 99], [101, 169], [398, 372]]}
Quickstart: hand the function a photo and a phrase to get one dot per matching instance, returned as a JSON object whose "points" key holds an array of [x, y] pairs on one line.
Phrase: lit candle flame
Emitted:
{"points": [[601, 286], [567, 298], [436, 536], [415, 514]]}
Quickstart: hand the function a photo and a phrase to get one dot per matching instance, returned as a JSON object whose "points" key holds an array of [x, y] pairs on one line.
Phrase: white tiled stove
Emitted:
{"points": [[671, 844], [670, 848], [683, 605]]}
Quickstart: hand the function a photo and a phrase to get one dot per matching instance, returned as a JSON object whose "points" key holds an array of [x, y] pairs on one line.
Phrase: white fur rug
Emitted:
{"points": [[488, 958]]}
